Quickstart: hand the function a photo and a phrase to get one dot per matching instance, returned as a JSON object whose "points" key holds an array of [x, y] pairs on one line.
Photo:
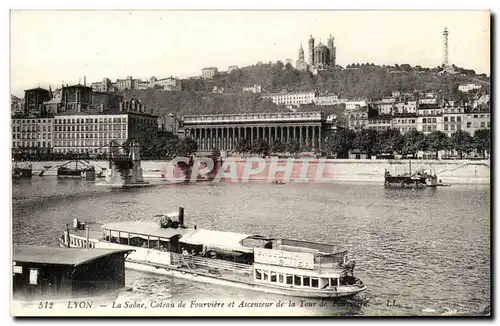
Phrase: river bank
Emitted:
{"points": [[315, 170]]}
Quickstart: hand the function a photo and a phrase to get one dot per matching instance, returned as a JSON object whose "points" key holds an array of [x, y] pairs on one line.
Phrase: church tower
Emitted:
{"points": [[301, 53], [333, 51], [311, 50]]}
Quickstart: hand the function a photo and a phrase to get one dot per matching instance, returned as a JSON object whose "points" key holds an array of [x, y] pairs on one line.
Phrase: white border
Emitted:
{"points": [[145, 4]]}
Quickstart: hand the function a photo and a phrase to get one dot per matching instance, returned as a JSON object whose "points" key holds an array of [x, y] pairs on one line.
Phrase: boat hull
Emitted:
{"points": [[347, 291]]}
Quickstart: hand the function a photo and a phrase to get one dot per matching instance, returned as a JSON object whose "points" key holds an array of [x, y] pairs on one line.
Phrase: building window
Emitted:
{"points": [[445, 119], [424, 120]]}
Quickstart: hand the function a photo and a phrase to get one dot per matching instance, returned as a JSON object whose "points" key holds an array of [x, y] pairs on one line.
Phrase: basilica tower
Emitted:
{"points": [[311, 50], [333, 51]]}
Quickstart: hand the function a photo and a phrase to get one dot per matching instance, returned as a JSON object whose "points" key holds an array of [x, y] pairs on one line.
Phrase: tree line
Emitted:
{"points": [[391, 141]]}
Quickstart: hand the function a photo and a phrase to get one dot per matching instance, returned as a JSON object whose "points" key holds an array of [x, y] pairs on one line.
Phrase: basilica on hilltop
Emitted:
{"points": [[321, 56]]}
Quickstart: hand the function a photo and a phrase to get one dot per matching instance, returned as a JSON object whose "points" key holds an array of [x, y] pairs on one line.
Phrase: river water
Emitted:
{"points": [[429, 250]]}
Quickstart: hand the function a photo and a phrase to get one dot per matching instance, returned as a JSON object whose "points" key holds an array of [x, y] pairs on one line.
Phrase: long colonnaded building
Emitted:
{"points": [[225, 131]]}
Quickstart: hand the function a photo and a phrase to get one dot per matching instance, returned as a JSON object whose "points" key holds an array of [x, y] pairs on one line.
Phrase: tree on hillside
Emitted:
{"points": [[462, 142], [482, 141], [438, 141]]}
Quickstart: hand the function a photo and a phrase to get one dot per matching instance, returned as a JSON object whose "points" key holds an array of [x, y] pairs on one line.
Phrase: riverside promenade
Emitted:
{"points": [[315, 170]]}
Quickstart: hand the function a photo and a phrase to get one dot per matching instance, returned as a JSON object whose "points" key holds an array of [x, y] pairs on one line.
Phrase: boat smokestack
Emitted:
{"points": [[181, 216]]}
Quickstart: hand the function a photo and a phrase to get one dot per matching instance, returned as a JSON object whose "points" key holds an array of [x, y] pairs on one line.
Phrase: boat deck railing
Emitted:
{"points": [[212, 263]]}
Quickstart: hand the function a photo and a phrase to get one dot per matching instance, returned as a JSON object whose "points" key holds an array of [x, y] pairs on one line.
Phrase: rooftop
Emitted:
{"points": [[105, 112], [36, 89], [60, 256], [145, 228], [77, 86]]}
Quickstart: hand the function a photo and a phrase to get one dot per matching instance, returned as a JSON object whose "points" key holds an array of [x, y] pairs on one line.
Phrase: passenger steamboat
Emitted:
{"points": [[272, 265]]}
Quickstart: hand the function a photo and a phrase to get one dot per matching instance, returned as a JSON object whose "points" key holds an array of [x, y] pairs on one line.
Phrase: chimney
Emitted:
{"points": [[121, 106], [181, 216], [152, 111], [84, 80], [79, 107], [102, 108]]}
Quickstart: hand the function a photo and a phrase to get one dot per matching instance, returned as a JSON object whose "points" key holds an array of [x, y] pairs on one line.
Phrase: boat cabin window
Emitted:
{"points": [[306, 281], [289, 279], [280, 278], [334, 282], [164, 245], [273, 277], [266, 275], [297, 280], [153, 243], [314, 282], [258, 274]]}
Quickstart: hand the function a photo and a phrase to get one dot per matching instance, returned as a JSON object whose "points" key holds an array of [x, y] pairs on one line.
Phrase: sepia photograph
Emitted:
{"points": [[198, 163]]}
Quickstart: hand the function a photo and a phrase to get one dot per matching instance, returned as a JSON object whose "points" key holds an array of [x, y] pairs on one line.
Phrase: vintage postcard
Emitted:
{"points": [[250, 163]]}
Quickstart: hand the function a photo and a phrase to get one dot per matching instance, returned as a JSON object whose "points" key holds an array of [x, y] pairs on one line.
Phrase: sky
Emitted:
{"points": [[55, 47]]}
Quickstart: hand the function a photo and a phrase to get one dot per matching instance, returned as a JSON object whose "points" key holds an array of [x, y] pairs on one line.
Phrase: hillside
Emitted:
{"points": [[355, 81], [185, 103]]}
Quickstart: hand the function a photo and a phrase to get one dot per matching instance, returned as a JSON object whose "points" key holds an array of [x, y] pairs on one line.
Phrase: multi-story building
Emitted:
{"points": [[55, 104], [295, 99], [428, 123], [429, 118], [127, 83], [354, 105], [170, 84], [358, 118], [224, 131], [327, 99], [106, 100], [453, 119], [16, 105], [103, 86], [34, 99], [404, 123], [32, 135], [473, 121], [253, 89], [168, 123], [468, 87], [407, 107], [384, 108], [208, 72], [427, 100], [92, 131], [77, 97], [380, 123]]}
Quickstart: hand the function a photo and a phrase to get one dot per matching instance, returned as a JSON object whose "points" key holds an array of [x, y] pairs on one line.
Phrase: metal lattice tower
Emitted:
{"points": [[445, 47]]}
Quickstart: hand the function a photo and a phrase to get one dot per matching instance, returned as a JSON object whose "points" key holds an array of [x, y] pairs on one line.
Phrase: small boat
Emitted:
{"points": [[246, 261], [418, 180], [87, 172], [22, 171]]}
